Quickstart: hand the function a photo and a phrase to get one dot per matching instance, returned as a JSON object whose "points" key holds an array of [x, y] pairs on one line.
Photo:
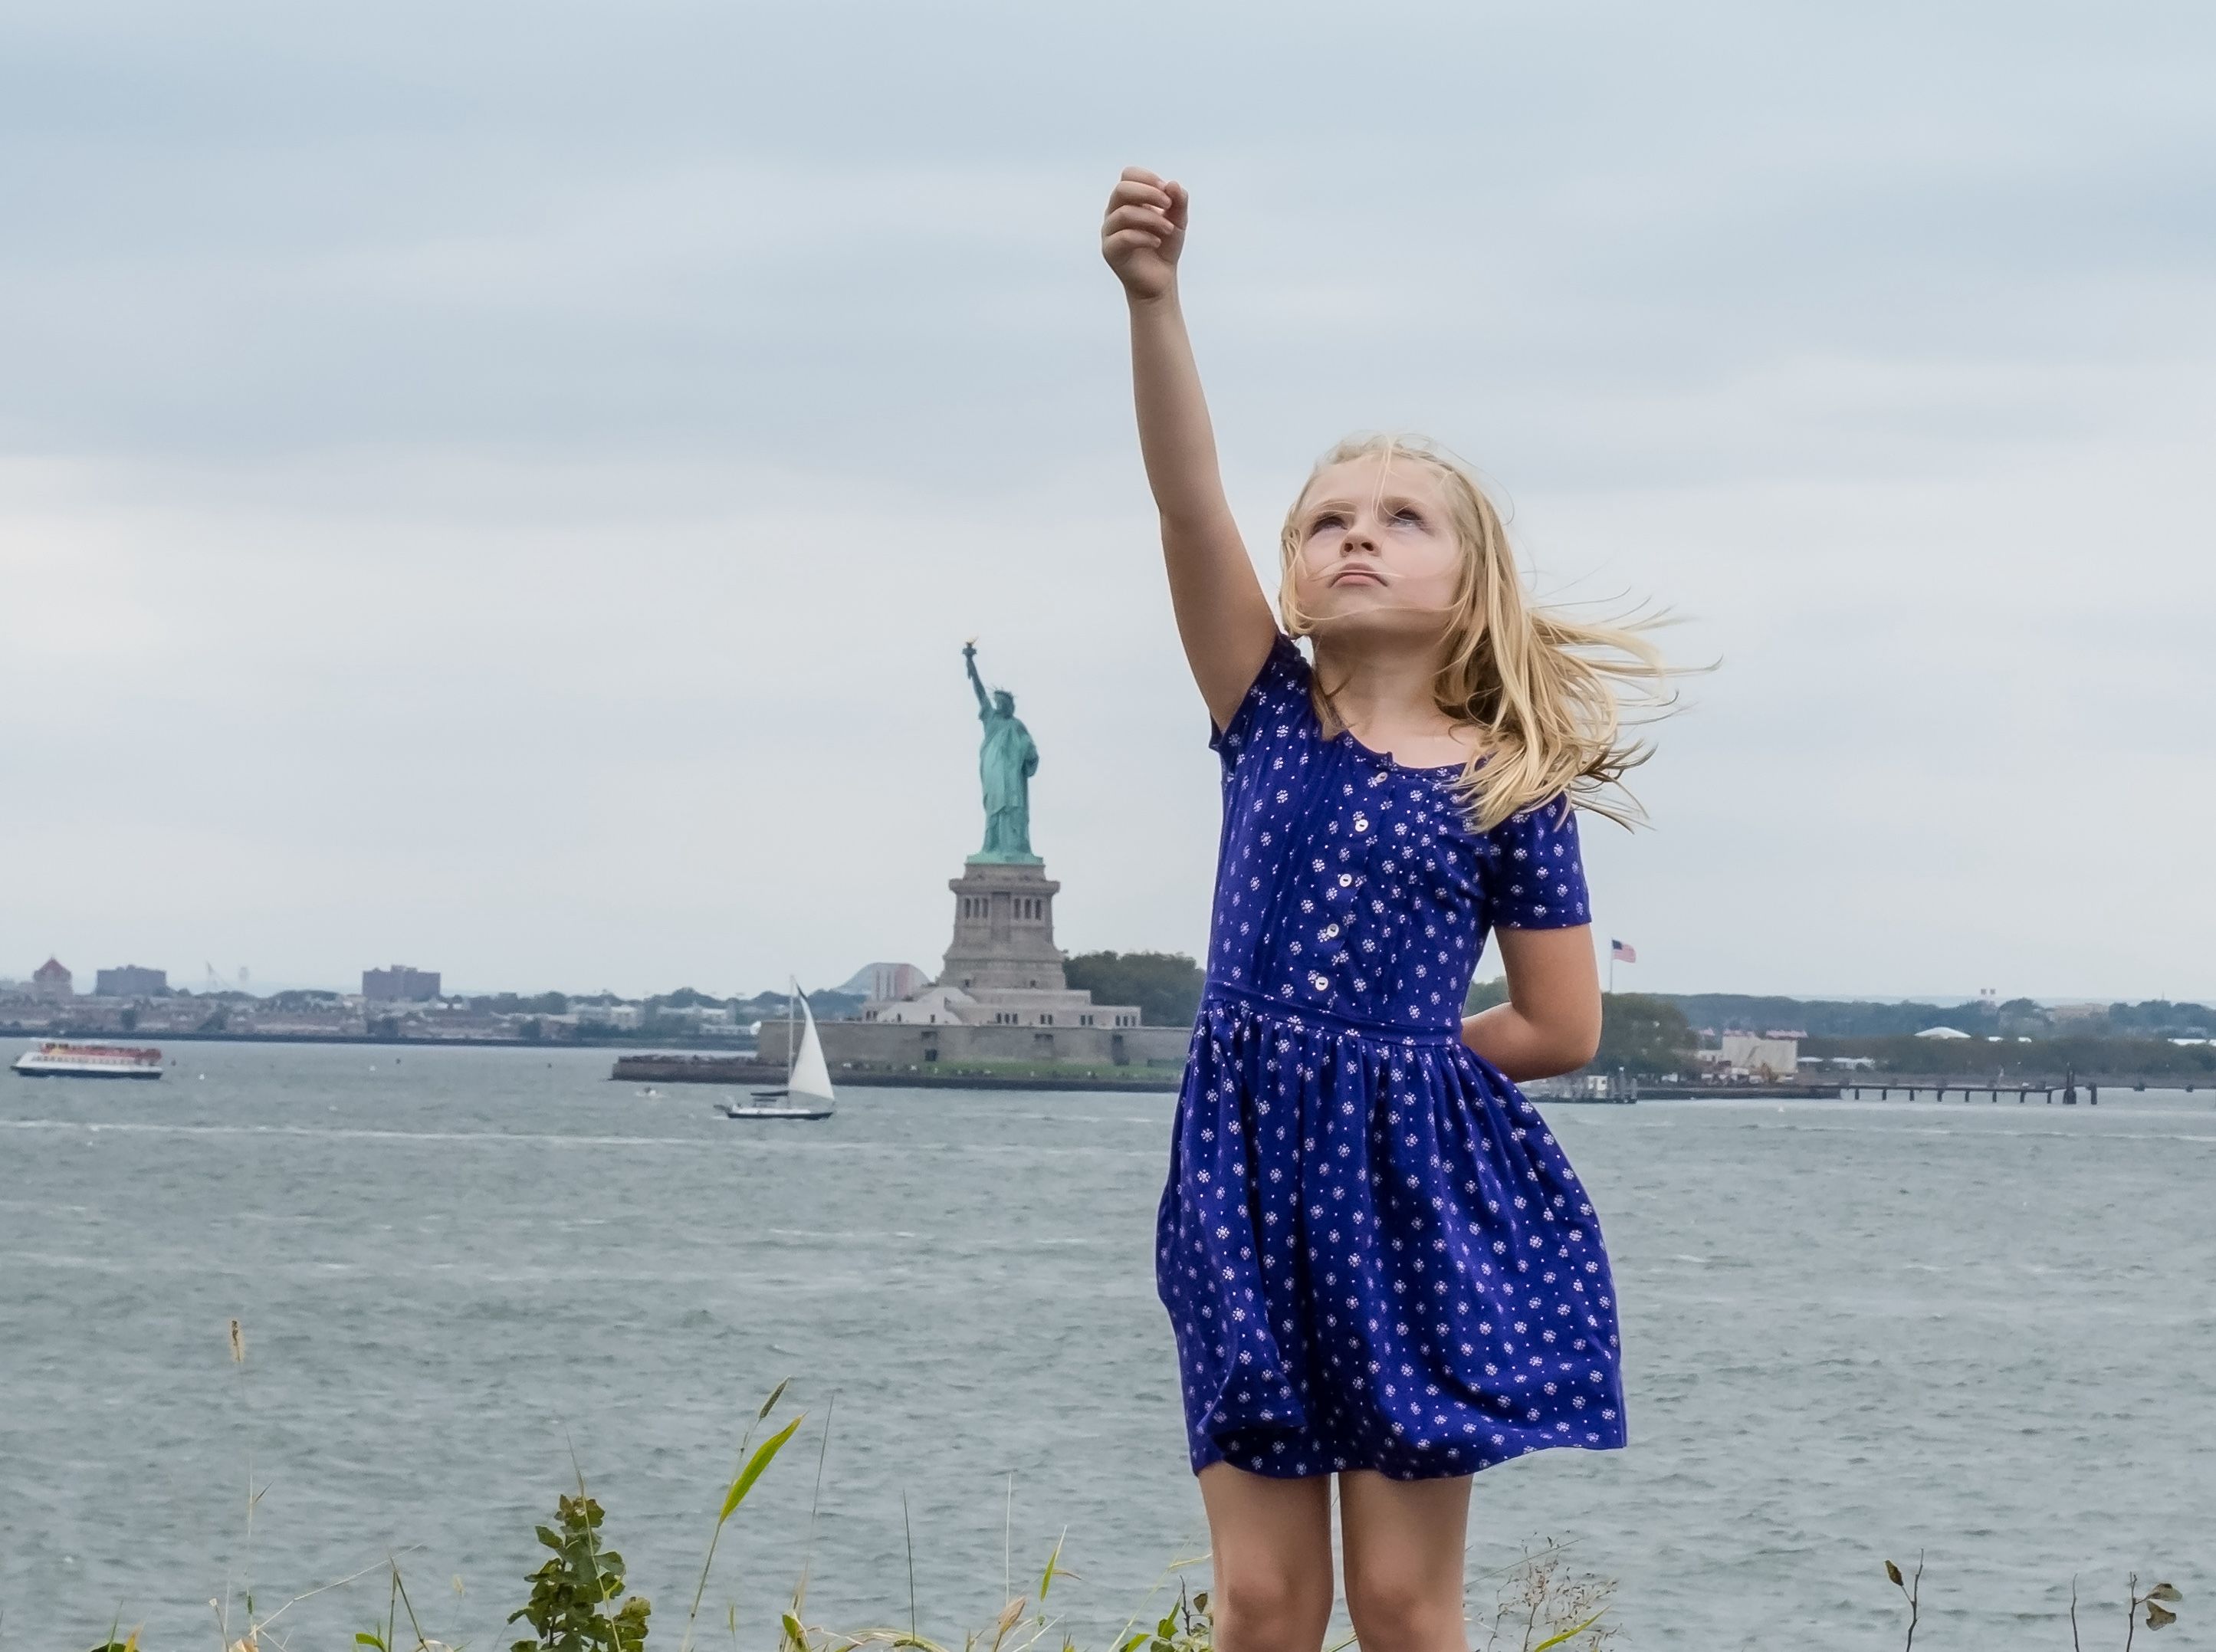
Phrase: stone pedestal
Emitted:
{"points": [[1003, 930], [1003, 997]]}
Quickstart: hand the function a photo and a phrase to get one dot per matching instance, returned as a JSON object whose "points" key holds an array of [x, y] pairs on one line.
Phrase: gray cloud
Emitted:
{"points": [[512, 482]]}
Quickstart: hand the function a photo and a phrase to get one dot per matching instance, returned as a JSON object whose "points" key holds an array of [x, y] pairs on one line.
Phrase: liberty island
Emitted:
{"points": [[1001, 995]]}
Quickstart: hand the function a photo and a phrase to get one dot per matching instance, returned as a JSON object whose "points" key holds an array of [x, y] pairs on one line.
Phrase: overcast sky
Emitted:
{"points": [[504, 488]]}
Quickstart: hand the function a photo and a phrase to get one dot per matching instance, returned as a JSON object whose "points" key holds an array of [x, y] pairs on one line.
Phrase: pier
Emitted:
{"points": [[736, 1071], [2067, 1089]]}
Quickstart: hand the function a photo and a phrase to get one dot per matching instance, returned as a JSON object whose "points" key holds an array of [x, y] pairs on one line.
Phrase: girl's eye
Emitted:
{"points": [[1325, 524], [1407, 515]]}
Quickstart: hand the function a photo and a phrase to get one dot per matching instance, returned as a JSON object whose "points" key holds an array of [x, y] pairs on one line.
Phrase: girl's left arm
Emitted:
{"points": [[1551, 1022]]}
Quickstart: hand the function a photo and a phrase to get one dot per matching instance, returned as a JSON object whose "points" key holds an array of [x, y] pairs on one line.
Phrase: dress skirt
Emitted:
{"points": [[1374, 1254]]}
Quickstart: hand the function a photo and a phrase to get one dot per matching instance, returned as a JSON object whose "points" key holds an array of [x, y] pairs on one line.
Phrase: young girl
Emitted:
{"points": [[1377, 1262]]}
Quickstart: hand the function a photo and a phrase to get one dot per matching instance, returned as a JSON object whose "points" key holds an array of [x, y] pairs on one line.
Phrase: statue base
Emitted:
{"points": [[1002, 997], [985, 857], [1003, 927]]}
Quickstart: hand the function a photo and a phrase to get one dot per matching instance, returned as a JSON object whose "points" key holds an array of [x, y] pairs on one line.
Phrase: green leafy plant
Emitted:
{"points": [[750, 1468], [388, 1638], [570, 1594], [1188, 1626]]}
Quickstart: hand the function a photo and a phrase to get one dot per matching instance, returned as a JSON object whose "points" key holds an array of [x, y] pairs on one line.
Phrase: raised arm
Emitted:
{"points": [[969, 664], [1223, 617]]}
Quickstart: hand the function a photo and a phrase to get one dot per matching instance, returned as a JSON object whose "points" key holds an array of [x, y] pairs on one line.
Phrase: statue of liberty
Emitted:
{"points": [[1005, 762]]}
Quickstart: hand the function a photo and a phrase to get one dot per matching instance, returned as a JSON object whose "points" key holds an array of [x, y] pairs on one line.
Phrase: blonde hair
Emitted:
{"points": [[1548, 693]]}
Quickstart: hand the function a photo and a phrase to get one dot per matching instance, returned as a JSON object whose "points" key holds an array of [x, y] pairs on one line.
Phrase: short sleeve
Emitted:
{"points": [[1277, 704], [1535, 877]]}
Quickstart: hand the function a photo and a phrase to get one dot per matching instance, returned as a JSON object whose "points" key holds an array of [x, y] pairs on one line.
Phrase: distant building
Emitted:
{"points": [[621, 1017], [52, 980], [2075, 1011], [887, 983], [1943, 1033], [703, 1018], [399, 986], [131, 982], [1742, 1055]]}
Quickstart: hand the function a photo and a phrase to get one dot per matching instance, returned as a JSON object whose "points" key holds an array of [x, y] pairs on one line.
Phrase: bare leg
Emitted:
{"points": [[1402, 1540], [1272, 1540]]}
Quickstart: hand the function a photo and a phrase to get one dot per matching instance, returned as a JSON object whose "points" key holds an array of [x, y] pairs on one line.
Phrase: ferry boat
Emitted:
{"points": [[58, 1060]]}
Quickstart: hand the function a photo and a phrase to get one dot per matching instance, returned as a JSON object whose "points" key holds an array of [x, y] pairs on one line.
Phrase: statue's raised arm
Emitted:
{"points": [[976, 682]]}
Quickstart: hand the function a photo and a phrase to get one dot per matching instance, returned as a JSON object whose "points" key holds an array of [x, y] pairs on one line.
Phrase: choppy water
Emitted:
{"points": [[1852, 1331]]}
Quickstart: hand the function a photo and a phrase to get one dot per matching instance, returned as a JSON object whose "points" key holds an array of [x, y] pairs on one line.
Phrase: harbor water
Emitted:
{"points": [[467, 1277]]}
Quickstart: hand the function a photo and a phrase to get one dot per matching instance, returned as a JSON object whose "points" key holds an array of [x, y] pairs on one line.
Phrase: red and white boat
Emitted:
{"points": [[58, 1060]]}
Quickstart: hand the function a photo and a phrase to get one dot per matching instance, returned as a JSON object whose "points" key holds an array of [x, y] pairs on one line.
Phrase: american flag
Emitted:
{"points": [[1622, 953]]}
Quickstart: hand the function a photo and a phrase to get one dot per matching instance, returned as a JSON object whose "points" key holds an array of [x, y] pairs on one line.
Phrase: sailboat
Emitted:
{"points": [[806, 1093]]}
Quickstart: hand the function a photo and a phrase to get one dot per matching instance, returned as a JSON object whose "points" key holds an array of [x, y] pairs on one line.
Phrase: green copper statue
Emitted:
{"points": [[1005, 763]]}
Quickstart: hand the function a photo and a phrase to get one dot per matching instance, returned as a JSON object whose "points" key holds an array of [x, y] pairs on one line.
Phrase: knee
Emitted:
{"points": [[1396, 1611], [1261, 1607]]}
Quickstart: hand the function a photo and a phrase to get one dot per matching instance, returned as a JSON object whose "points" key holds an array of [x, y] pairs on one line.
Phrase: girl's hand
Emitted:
{"points": [[1143, 233]]}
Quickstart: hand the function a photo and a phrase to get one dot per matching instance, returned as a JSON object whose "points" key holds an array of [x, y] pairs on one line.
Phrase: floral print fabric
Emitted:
{"points": [[1373, 1251]]}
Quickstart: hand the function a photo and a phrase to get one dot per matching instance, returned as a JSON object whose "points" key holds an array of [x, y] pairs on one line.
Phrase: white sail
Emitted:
{"points": [[810, 1077]]}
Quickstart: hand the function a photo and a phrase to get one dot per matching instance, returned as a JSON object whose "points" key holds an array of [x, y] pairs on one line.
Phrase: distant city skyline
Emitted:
{"points": [[264, 988], [472, 489]]}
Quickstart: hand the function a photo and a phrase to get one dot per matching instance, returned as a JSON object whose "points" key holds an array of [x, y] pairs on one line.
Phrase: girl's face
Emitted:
{"points": [[1378, 557]]}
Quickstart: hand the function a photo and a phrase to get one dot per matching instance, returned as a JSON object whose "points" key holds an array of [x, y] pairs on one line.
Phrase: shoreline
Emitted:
{"points": [[50, 1035], [674, 1061]]}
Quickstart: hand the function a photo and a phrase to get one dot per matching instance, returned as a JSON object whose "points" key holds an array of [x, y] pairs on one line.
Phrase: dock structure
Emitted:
{"points": [[1993, 1089], [739, 1070], [1617, 1088]]}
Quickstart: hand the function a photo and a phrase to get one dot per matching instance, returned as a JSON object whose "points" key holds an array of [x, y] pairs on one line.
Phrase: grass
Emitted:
{"points": [[578, 1602]]}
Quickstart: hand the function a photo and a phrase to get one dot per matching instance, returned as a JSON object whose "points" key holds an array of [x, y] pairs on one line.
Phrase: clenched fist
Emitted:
{"points": [[1144, 231]]}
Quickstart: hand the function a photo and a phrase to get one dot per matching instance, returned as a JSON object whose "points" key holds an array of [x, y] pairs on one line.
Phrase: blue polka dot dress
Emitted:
{"points": [[1373, 1253]]}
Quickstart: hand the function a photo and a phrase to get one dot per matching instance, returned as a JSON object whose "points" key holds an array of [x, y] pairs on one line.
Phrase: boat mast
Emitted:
{"points": [[792, 1038]]}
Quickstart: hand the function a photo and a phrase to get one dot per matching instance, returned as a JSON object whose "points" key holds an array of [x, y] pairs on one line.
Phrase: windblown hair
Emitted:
{"points": [[1548, 693]]}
